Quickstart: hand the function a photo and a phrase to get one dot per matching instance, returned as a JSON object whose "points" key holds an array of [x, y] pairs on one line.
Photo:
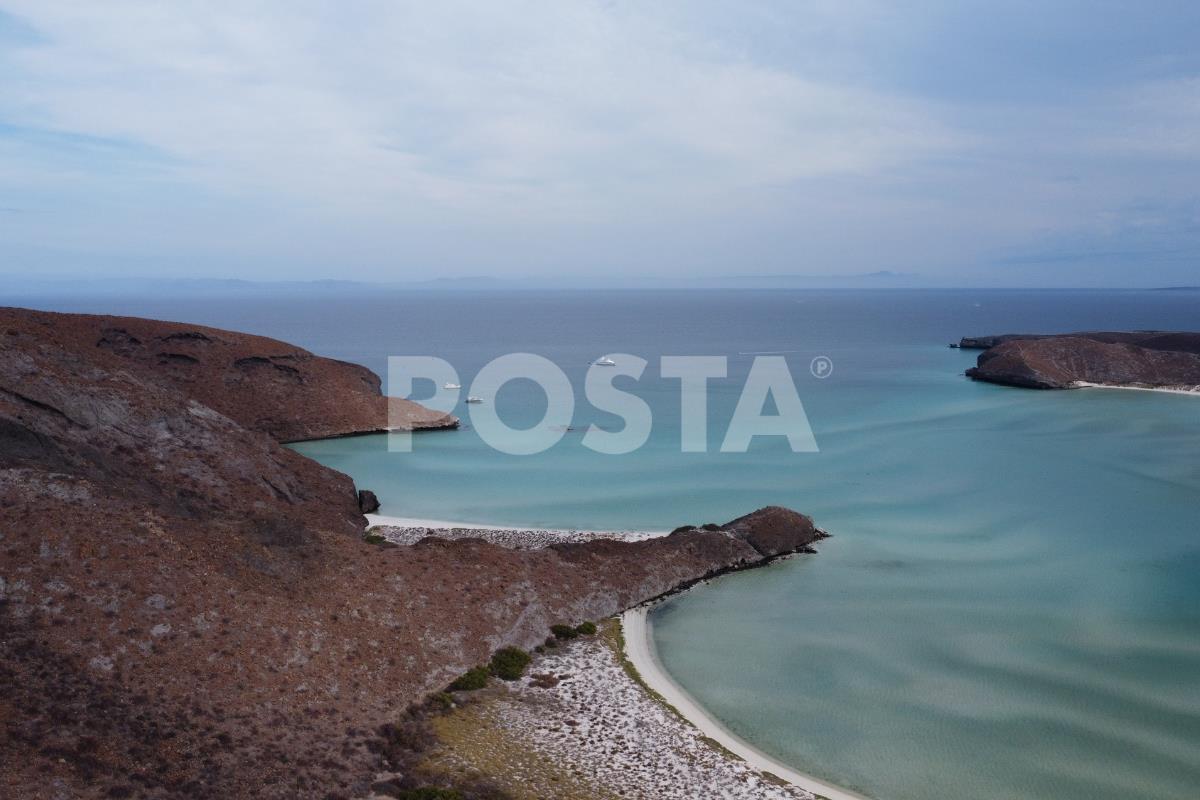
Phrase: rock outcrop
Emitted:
{"points": [[368, 502], [774, 531], [188, 608], [1150, 359], [984, 342]]}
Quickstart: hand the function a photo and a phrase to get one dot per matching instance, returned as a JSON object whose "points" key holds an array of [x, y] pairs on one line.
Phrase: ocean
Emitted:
{"points": [[1010, 603]]}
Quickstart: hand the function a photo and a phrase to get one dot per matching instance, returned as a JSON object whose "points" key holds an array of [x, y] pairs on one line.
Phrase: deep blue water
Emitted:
{"points": [[1010, 605]]}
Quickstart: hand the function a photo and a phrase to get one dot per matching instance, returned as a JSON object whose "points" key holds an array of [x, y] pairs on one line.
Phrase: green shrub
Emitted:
{"points": [[509, 663], [439, 702], [586, 629], [563, 631], [373, 538], [469, 681]]}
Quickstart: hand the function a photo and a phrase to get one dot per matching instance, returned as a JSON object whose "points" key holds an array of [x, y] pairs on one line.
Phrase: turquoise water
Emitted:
{"points": [[1010, 605], [1010, 608]]}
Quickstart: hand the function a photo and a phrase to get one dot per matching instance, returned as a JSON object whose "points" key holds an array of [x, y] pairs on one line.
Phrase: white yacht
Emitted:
{"points": [[451, 386], [474, 399], [605, 362]]}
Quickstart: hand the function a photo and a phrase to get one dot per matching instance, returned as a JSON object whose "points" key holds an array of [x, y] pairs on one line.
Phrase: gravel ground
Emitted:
{"points": [[505, 537], [579, 707]]}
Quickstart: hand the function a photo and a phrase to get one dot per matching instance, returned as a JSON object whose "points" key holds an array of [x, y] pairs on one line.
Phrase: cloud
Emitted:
{"points": [[522, 136], [458, 105], [1159, 118]]}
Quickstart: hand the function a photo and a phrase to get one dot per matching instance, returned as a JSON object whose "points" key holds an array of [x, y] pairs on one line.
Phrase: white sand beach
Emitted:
{"points": [[639, 649], [1189, 390], [441, 524]]}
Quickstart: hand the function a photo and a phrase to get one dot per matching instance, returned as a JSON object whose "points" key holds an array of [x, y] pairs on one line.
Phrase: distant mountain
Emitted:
{"points": [[17, 286], [881, 278]]}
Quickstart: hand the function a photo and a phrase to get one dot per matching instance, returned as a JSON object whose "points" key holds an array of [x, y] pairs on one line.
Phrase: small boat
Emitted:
{"points": [[451, 386], [474, 399], [605, 362]]}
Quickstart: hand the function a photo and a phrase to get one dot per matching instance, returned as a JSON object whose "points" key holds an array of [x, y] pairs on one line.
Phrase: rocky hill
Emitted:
{"points": [[261, 383], [1150, 359], [188, 609]]}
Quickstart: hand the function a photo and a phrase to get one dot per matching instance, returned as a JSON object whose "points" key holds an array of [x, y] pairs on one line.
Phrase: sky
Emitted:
{"points": [[955, 143]]}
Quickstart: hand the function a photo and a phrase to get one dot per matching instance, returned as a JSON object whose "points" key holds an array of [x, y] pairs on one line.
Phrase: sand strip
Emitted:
{"points": [[414, 522], [1191, 390], [410, 530], [639, 649]]}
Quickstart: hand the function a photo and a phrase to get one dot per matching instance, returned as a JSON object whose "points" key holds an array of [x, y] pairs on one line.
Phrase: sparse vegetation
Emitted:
{"points": [[373, 538], [587, 628], [402, 743], [474, 742], [430, 793], [545, 681], [471, 680], [410, 746], [509, 663], [771, 777]]}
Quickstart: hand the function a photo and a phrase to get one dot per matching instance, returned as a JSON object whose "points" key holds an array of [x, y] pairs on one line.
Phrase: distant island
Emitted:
{"points": [[189, 609], [1161, 360]]}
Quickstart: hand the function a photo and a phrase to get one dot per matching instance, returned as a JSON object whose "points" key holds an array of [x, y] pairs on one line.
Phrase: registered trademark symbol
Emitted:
{"points": [[821, 367]]}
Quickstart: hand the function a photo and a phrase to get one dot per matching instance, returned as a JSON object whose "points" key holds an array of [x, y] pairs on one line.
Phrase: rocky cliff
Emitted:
{"points": [[188, 609], [1151, 359]]}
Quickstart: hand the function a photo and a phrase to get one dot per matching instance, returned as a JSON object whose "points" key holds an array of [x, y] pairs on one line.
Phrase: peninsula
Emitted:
{"points": [[189, 609], [1160, 360]]}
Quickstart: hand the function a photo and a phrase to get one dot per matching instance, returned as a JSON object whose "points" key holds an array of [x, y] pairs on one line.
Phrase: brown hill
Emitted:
{"points": [[262, 383], [187, 608], [1152, 359]]}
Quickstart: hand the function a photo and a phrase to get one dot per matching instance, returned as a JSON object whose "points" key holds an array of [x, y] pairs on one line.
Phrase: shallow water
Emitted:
{"points": [[1010, 605]]}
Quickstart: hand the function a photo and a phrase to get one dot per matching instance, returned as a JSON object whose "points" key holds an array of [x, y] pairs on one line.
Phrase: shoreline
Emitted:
{"points": [[1194, 392], [639, 646], [639, 649]]}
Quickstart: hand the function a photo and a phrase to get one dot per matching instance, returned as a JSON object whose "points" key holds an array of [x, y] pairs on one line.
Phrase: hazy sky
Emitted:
{"points": [[973, 143]]}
